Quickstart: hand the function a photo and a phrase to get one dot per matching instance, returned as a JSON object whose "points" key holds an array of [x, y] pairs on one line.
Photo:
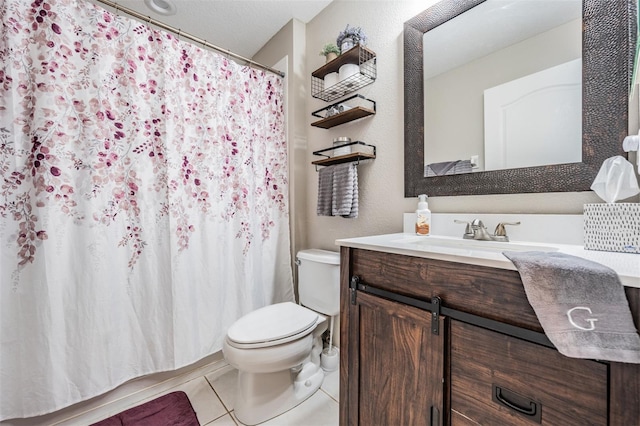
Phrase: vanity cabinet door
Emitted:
{"points": [[501, 380], [398, 364]]}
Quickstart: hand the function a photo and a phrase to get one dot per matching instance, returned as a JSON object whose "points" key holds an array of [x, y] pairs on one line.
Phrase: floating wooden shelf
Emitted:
{"points": [[347, 158], [352, 112], [343, 117], [356, 55]]}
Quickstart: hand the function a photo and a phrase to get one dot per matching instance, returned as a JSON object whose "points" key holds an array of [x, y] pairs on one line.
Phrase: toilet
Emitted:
{"points": [[276, 349]]}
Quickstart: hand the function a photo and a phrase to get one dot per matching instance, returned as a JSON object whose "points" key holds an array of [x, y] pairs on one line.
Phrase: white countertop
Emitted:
{"points": [[489, 253]]}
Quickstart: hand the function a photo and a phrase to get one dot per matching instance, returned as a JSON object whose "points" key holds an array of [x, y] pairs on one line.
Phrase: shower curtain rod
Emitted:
{"points": [[149, 20]]}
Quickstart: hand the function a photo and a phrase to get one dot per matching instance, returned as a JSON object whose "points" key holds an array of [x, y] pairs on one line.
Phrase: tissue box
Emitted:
{"points": [[612, 227]]}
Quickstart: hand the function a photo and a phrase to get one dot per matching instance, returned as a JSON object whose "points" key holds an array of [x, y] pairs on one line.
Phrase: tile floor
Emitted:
{"points": [[213, 395], [210, 385]]}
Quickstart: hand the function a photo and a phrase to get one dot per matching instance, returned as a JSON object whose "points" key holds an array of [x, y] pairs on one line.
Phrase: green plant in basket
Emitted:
{"points": [[329, 48]]}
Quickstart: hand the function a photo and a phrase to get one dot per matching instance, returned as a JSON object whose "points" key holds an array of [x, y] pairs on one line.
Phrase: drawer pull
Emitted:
{"points": [[520, 404]]}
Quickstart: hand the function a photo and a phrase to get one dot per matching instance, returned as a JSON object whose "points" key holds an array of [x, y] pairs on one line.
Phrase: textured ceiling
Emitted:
{"points": [[241, 26]]}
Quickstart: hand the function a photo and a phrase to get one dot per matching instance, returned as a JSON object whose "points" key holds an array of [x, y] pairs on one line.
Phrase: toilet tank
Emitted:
{"points": [[319, 280]]}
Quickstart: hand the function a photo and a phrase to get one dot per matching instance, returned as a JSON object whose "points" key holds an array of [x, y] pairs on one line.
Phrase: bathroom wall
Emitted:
{"points": [[381, 181], [290, 43]]}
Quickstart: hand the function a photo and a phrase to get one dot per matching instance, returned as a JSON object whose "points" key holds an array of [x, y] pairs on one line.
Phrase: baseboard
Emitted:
{"points": [[123, 397]]}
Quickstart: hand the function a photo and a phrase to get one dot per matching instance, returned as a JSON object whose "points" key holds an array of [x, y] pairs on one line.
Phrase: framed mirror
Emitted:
{"points": [[608, 47]]}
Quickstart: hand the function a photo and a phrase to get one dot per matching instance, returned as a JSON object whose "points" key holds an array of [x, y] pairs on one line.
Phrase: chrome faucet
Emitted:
{"points": [[480, 231], [476, 230]]}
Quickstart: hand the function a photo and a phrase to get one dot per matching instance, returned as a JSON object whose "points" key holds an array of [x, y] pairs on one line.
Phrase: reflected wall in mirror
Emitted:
{"points": [[513, 70], [606, 44]]}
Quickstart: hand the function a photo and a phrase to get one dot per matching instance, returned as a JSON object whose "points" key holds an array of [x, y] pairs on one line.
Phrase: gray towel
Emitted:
{"points": [[325, 191], [447, 168], [338, 190], [345, 190], [580, 304]]}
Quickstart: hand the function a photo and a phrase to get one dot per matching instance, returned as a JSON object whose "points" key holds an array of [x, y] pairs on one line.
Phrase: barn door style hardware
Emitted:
{"points": [[436, 308]]}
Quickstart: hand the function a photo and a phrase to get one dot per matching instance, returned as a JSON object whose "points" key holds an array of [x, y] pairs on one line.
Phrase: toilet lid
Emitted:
{"points": [[273, 322]]}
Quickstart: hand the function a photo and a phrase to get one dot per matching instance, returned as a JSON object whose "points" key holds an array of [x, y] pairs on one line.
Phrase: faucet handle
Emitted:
{"points": [[468, 233], [501, 231]]}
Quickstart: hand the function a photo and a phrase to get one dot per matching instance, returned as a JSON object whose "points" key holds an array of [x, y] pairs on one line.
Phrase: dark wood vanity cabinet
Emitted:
{"points": [[402, 364], [500, 380]]}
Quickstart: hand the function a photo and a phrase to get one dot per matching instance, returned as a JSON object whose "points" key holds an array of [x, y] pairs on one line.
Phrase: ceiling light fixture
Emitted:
{"points": [[163, 7]]}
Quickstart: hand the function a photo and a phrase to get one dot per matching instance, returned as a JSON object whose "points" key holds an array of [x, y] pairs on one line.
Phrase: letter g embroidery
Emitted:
{"points": [[591, 321]]}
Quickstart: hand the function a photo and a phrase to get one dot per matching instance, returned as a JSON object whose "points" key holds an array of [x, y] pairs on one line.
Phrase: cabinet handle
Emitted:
{"points": [[518, 403]]}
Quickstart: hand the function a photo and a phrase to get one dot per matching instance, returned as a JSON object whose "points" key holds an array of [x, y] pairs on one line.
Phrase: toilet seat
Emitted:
{"points": [[272, 325]]}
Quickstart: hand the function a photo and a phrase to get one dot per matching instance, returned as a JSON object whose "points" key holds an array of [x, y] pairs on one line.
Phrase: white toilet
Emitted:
{"points": [[276, 349]]}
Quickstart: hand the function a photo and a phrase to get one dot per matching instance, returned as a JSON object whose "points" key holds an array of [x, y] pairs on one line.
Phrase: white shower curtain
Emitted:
{"points": [[143, 201]]}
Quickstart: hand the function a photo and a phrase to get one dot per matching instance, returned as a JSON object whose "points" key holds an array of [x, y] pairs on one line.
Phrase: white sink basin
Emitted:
{"points": [[435, 243]]}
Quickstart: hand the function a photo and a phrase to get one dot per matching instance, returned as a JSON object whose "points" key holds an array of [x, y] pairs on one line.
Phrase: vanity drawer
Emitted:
{"points": [[491, 371]]}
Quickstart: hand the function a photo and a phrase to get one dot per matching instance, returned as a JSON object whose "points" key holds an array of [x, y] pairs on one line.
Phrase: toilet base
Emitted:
{"points": [[274, 379], [263, 396]]}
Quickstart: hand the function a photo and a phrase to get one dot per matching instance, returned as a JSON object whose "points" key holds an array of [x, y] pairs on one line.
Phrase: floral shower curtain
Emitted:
{"points": [[143, 202]]}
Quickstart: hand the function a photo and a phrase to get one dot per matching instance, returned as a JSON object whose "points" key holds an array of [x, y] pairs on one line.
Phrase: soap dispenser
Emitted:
{"points": [[423, 216]]}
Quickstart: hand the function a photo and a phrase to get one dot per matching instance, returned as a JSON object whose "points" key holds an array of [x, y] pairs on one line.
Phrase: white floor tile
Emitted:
{"points": [[331, 384], [203, 399], [224, 382], [318, 410], [225, 420]]}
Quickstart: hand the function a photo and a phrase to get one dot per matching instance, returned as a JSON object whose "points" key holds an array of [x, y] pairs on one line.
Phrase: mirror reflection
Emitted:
{"points": [[502, 87]]}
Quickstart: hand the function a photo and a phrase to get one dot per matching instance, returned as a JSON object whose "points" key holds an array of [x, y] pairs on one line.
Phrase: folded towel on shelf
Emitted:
{"points": [[580, 304], [447, 168], [338, 190]]}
